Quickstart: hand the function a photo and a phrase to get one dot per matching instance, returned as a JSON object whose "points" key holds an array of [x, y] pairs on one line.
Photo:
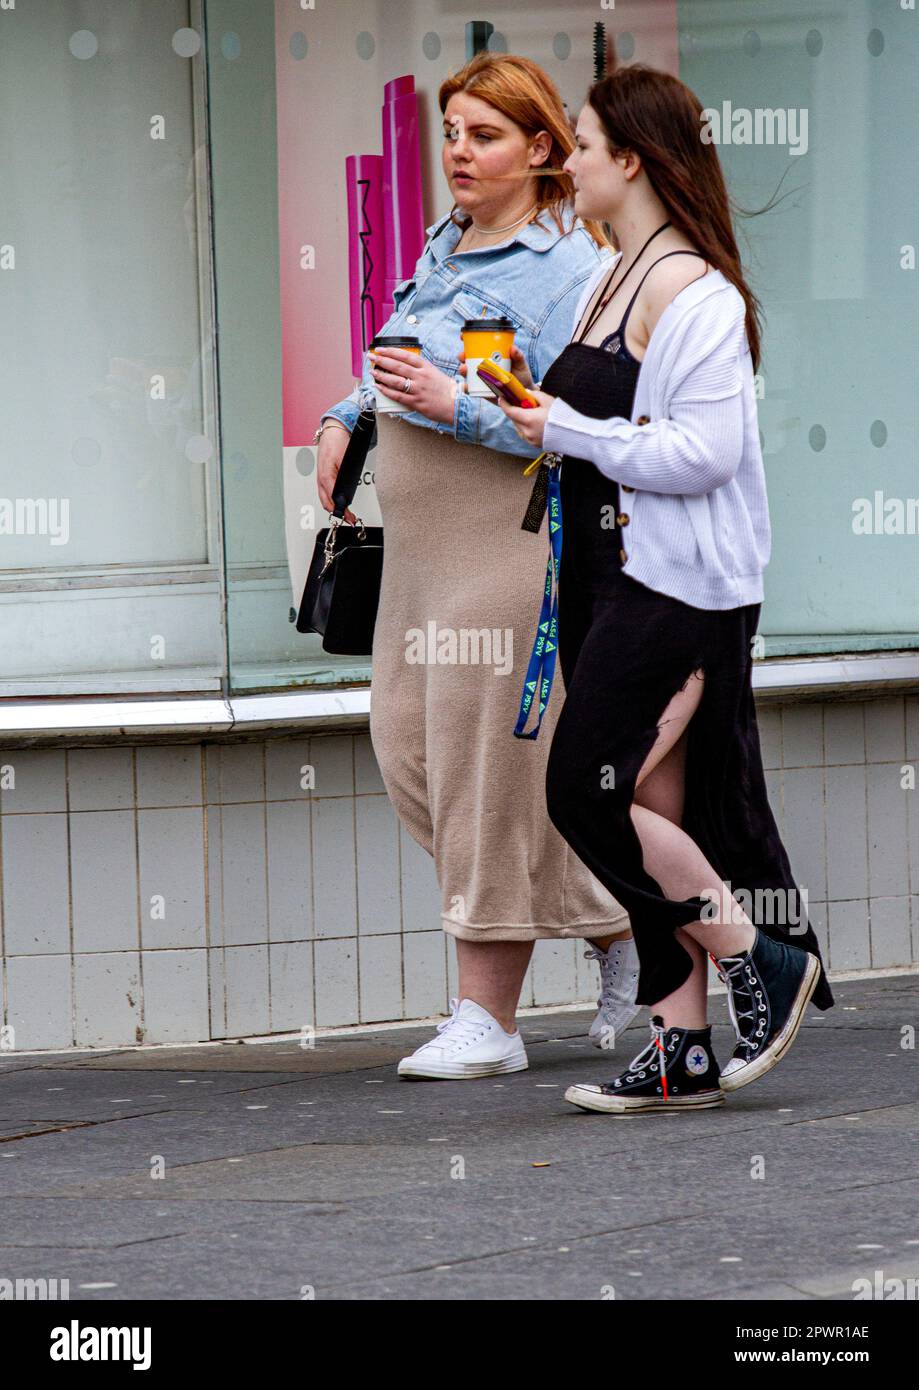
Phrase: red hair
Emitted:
{"points": [[526, 95]]}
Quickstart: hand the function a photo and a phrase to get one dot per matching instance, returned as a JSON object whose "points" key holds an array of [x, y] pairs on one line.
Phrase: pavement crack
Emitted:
{"points": [[79, 1124], [545, 1247], [861, 1110], [117, 1245]]}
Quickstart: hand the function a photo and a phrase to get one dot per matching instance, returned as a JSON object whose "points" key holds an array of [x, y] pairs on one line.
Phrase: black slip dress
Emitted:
{"points": [[625, 650]]}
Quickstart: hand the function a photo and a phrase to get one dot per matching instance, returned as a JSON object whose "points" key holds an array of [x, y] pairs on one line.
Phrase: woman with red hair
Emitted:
{"points": [[452, 492]]}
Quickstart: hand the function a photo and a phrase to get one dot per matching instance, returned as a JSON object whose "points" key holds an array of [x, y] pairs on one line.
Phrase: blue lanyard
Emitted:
{"points": [[541, 667]]}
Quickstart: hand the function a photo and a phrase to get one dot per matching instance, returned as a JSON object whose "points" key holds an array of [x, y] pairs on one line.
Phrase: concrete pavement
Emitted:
{"points": [[290, 1172]]}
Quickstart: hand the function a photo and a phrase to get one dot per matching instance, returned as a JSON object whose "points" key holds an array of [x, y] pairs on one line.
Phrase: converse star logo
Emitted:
{"points": [[697, 1061]]}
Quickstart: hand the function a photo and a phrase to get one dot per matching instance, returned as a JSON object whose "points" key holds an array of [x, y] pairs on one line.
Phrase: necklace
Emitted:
{"points": [[606, 299], [493, 231]]}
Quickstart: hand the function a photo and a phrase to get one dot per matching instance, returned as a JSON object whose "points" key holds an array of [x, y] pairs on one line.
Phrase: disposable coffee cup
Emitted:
{"points": [[486, 340], [384, 405]]}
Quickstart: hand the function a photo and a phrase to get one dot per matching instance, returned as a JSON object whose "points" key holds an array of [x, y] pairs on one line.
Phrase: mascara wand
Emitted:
{"points": [[604, 52], [599, 51]]}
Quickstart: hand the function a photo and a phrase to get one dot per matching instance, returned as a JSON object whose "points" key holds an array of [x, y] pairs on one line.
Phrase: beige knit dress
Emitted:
{"points": [[460, 597]]}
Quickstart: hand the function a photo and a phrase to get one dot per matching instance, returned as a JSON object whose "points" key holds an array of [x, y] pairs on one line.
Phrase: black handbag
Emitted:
{"points": [[342, 590]]}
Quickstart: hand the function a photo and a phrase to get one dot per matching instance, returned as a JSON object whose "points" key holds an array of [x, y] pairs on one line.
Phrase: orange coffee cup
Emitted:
{"points": [[384, 405], [486, 340]]}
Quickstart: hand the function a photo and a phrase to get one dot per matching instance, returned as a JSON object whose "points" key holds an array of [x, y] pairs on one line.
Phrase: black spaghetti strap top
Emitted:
{"points": [[598, 381]]}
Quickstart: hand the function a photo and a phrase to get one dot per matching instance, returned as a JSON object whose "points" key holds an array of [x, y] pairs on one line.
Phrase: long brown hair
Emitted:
{"points": [[657, 116], [521, 91]]}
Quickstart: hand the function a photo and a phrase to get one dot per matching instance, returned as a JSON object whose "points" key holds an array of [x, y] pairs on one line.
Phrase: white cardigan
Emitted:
{"points": [[689, 465]]}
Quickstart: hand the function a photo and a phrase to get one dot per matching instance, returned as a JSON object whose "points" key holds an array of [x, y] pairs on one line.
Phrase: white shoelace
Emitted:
{"points": [[731, 968], [610, 972], [457, 1030], [654, 1051]]}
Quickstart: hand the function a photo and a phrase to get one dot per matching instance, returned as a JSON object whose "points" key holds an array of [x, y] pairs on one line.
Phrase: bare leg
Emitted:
{"points": [[662, 790], [687, 1007], [674, 859], [491, 974]]}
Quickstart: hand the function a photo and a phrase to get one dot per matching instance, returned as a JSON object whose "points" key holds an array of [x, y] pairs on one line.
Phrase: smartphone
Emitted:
{"points": [[506, 385]]}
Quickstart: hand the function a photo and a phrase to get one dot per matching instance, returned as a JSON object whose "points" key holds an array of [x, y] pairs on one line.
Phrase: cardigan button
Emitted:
{"points": [[622, 519], [622, 556], [643, 420], [625, 487]]}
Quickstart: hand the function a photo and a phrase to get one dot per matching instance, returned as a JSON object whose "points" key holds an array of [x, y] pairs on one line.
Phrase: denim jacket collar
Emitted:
{"points": [[538, 235]]}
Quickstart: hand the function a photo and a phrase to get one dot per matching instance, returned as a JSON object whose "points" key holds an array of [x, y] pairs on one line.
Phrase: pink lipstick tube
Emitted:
{"points": [[403, 209], [366, 252]]}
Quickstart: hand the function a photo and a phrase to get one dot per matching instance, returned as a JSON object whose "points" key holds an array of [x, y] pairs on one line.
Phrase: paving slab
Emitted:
{"points": [[288, 1168]]}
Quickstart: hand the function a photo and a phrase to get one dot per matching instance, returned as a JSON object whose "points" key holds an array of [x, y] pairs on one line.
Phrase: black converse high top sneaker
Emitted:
{"points": [[768, 992], [676, 1071]]}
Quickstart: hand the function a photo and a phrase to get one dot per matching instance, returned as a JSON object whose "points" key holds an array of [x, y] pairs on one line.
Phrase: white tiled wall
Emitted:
{"points": [[173, 894]]}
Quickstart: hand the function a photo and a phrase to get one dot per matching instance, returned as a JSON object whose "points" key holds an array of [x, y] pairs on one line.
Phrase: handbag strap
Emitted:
{"points": [[363, 437]]}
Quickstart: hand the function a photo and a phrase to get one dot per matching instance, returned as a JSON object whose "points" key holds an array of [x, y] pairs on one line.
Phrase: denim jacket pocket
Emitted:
{"points": [[444, 346], [403, 294], [473, 304], [468, 304]]}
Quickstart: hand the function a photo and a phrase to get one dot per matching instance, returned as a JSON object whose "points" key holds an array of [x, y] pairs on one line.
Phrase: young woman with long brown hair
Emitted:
{"points": [[655, 775]]}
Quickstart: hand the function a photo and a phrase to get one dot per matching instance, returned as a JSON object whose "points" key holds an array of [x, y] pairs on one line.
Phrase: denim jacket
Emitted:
{"points": [[535, 279]]}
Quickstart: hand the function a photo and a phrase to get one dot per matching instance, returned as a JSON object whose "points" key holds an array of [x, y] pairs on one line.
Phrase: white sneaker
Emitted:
{"points": [[618, 987], [470, 1043]]}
